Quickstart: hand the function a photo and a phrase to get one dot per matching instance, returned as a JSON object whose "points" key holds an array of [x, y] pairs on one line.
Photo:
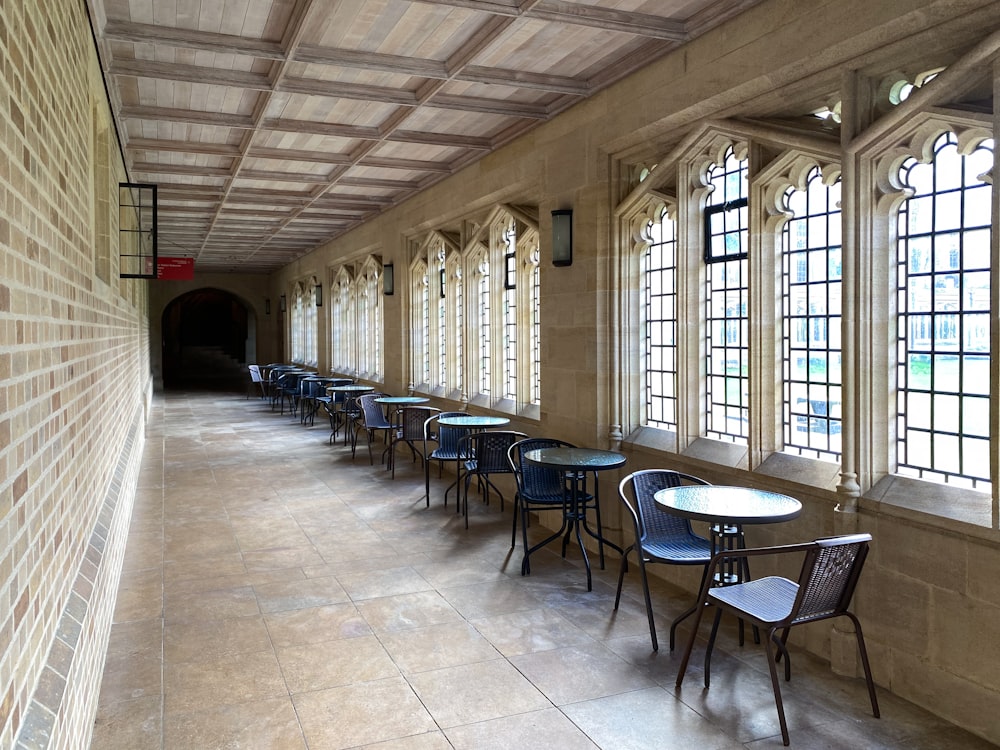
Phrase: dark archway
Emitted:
{"points": [[205, 341]]}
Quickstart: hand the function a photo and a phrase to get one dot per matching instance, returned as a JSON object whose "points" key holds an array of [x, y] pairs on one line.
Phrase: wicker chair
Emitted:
{"points": [[447, 439], [826, 583], [370, 421], [660, 537], [487, 455], [410, 429]]}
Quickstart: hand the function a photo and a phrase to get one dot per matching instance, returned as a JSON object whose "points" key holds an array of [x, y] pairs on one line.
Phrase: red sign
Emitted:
{"points": [[174, 269]]}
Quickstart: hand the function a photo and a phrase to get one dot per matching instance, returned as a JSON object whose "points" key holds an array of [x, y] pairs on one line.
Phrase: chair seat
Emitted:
{"points": [[690, 551], [767, 600]]}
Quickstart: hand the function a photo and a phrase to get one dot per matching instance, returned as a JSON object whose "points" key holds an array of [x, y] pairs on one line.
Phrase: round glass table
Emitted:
{"points": [[727, 510], [575, 463]]}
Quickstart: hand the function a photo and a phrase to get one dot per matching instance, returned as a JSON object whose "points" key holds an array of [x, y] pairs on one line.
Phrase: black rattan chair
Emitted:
{"points": [[371, 420], [487, 455], [826, 583], [660, 537], [447, 439], [409, 429]]}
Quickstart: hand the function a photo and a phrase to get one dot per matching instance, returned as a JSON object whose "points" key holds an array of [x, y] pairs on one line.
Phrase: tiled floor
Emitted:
{"points": [[277, 594]]}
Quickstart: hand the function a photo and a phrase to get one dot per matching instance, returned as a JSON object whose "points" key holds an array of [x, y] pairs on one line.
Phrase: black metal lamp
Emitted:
{"points": [[562, 237]]}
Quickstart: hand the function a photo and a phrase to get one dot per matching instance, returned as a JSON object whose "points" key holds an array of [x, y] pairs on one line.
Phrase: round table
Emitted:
{"points": [[402, 400], [474, 422], [574, 463], [396, 402], [727, 509]]}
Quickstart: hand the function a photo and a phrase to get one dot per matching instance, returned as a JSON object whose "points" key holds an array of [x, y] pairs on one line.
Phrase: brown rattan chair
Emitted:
{"points": [[829, 575]]}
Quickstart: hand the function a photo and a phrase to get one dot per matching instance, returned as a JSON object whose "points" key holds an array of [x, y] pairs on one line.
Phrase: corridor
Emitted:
{"points": [[278, 595]]}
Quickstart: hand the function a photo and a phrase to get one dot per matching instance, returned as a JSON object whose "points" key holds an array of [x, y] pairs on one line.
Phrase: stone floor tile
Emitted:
{"points": [[326, 664], [476, 692], [362, 714], [548, 728], [266, 724]]}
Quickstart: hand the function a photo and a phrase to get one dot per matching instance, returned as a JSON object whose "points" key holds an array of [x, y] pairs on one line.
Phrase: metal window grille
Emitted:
{"points": [[485, 342], [659, 291], [943, 308], [727, 335], [811, 317]]}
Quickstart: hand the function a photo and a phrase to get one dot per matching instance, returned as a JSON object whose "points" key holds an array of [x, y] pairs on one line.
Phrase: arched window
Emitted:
{"points": [[943, 384], [342, 324], [658, 335], [420, 324], [811, 319], [297, 333], [727, 391], [310, 327]]}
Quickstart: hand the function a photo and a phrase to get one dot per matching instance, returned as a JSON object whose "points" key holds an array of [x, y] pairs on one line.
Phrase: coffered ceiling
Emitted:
{"points": [[271, 126]]}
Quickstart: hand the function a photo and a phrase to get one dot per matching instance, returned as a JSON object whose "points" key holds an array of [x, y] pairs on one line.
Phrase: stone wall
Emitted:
{"points": [[74, 375]]}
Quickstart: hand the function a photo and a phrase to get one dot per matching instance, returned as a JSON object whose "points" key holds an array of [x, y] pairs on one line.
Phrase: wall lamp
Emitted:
{"points": [[562, 237], [388, 280], [318, 291], [267, 305], [282, 304]]}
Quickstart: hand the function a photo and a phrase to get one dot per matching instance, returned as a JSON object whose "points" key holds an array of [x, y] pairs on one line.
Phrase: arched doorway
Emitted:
{"points": [[206, 334]]}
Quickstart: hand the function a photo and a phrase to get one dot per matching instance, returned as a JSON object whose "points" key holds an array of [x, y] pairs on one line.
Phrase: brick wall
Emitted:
{"points": [[74, 375]]}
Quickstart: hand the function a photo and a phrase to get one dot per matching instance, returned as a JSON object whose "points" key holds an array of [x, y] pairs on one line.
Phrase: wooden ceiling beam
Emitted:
{"points": [[377, 61], [190, 39], [639, 24], [333, 89], [440, 139], [321, 128], [190, 73], [487, 106], [183, 147], [189, 116], [416, 165], [289, 154]]}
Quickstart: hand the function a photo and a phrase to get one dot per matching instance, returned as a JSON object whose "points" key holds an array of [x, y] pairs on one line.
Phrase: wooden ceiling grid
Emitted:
{"points": [[272, 126]]}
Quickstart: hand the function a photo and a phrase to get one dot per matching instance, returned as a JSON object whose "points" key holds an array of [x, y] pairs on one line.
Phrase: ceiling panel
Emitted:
{"points": [[272, 126]]}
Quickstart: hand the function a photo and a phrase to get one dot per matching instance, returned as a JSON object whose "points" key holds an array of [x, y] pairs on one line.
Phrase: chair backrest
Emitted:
{"points": [[636, 492], [412, 419], [341, 397], [446, 437], [373, 414], [829, 576], [490, 449], [536, 481]]}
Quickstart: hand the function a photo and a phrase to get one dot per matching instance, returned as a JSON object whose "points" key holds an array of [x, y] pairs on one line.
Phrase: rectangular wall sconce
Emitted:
{"points": [[318, 291], [388, 280], [562, 237], [282, 304], [441, 282], [267, 306]]}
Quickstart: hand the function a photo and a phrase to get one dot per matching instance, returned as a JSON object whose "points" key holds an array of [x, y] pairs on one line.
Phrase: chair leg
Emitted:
{"points": [[711, 645], [776, 685], [513, 530], [649, 603], [683, 616], [864, 663], [621, 574], [525, 564]]}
